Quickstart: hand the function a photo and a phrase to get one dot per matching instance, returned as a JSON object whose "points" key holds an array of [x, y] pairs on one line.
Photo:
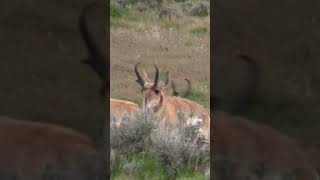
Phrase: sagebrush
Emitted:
{"points": [[174, 150]]}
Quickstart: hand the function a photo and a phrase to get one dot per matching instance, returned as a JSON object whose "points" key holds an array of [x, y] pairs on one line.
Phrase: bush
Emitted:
{"points": [[174, 150], [201, 8], [186, 6], [170, 11], [133, 133], [116, 12], [153, 4]]}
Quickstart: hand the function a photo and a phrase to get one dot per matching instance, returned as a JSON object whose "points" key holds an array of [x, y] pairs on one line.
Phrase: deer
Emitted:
{"points": [[41, 151], [167, 107], [243, 149], [121, 109], [97, 61], [38, 151], [308, 140]]}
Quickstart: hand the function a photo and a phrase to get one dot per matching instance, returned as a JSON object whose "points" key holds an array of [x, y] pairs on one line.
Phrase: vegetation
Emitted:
{"points": [[169, 34], [144, 150], [176, 41]]}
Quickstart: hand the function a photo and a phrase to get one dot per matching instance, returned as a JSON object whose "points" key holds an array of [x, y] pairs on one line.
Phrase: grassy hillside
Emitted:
{"points": [[179, 44]]}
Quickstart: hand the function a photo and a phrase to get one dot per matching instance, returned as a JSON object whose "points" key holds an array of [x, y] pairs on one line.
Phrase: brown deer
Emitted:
{"points": [[43, 151], [168, 106], [121, 108], [39, 151], [309, 141], [245, 150]]}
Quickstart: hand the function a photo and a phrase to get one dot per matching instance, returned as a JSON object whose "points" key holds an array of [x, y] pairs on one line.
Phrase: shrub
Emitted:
{"points": [[202, 8], [153, 4], [174, 150], [116, 12], [133, 133], [170, 11]]}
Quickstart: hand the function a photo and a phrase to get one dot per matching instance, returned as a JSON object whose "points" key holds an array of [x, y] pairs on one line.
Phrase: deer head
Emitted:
{"points": [[152, 92]]}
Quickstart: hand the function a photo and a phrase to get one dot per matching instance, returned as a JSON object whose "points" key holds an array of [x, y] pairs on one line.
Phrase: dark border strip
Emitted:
{"points": [[212, 85], [106, 129]]}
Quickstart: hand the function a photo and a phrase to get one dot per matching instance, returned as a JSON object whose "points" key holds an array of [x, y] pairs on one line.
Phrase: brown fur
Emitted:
{"points": [[172, 104], [28, 148], [248, 144], [120, 108], [167, 106], [42, 151]]}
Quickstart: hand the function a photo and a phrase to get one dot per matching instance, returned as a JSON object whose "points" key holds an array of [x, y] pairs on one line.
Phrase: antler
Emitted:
{"points": [[139, 80], [97, 59], [189, 88], [156, 78]]}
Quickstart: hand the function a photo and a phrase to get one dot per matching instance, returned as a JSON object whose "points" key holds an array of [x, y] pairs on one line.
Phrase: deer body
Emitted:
{"points": [[121, 108], [171, 105], [39, 151], [244, 150], [167, 107], [43, 151], [247, 150]]}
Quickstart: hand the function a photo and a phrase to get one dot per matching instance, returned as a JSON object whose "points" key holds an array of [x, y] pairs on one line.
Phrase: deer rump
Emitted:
{"points": [[243, 149], [38, 151], [120, 109]]}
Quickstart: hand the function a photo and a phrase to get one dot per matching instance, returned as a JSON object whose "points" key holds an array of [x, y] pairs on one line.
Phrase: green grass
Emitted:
{"points": [[197, 96], [116, 23], [199, 30], [117, 12], [169, 24], [128, 18], [148, 169]]}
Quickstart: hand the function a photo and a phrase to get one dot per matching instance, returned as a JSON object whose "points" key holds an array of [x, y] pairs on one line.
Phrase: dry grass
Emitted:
{"points": [[174, 45]]}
